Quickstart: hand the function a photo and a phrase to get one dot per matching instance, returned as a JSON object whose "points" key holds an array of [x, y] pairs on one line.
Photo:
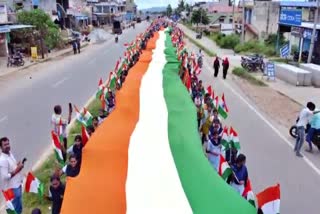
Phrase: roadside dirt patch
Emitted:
{"points": [[279, 107]]}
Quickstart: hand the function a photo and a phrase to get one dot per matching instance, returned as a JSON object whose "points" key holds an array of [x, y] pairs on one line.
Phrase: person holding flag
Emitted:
{"points": [[59, 125], [11, 175], [56, 192], [240, 174], [214, 150]]}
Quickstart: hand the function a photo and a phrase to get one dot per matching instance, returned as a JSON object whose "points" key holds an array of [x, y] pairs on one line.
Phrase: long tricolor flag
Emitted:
{"points": [[9, 197], [150, 162], [57, 147], [269, 200], [83, 116], [34, 185]]}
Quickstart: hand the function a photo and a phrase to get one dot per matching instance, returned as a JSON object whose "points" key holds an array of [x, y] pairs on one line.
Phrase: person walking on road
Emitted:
{"points": [[304, 119], [225, 67], [74, 46], [214, 150], [216, 66], [78, 44], [10, 174]]}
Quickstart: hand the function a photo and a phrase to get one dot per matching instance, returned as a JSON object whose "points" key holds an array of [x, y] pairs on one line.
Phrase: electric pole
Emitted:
{"points": [[313, 32], [233, 23], [243, 21]]}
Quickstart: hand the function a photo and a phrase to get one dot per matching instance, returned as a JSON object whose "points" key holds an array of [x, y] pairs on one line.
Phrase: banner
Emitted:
{"points": [[290, 17]]}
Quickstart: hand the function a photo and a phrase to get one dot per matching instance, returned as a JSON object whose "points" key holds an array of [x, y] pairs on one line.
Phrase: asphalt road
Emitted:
{"points": [[269, 150], [27, 97]]}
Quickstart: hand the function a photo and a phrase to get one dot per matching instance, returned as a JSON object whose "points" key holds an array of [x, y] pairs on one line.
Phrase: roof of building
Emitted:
{"points": [[218, 8], [8, 28]]}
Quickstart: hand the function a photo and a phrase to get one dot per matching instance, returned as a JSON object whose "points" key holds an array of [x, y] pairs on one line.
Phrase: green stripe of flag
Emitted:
{"points": [[205, 190]]}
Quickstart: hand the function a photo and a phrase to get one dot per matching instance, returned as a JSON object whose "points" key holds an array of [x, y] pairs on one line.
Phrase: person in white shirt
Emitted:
{"points": [[304, 119], [59, 125], [11, 176]]}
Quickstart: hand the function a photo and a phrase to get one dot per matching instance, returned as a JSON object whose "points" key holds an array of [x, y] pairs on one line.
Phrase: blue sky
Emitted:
{"points": [[143, 4]]}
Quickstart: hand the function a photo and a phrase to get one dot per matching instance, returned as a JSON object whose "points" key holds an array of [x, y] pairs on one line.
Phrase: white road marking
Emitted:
{"points": [[307, 160], [60, 82], [3, 119]]}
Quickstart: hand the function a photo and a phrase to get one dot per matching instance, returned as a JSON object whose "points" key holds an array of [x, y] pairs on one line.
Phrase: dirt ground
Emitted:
{"points": [[279, 107]]}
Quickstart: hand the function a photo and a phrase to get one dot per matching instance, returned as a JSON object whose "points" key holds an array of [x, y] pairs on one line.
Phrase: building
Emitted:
{"points": [[296, 20], [263, 19]]}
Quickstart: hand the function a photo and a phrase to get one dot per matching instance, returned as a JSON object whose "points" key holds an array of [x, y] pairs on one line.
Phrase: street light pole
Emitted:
{"points": [[243, 21], [313, 32]]}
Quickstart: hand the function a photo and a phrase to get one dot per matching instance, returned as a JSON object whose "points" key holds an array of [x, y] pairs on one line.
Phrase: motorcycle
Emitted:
{"points": [[253, 63], [15, 60], [316, 135]]}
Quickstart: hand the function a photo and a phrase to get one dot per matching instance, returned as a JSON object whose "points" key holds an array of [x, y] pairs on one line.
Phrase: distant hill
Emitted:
{"points": [[154, 9]]}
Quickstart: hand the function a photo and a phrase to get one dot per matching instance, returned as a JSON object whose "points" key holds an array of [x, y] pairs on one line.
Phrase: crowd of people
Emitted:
{"points": [[11, 176], [209, 120]]}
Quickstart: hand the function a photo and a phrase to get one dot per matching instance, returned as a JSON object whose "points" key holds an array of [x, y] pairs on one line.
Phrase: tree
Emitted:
{"points": [[44, 28], [181, 6], [200, 16], [188, 9], [169, 10]]}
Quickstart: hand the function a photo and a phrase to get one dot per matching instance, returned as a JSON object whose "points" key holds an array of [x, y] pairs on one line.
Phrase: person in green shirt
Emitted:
{"points": [[315, 128]]}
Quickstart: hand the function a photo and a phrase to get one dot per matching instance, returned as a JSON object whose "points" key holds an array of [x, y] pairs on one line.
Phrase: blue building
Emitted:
{"points": [[297, 19]]}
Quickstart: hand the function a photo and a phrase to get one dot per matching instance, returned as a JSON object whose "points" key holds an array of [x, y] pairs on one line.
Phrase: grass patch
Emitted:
{"points": [[30, 200], [206, 50], [242, 73]]}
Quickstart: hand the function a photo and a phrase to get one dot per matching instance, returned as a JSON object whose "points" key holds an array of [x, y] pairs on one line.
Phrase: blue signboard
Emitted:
{"points": [[284, 51], [270, 70], [307, 34], [290, 17]]}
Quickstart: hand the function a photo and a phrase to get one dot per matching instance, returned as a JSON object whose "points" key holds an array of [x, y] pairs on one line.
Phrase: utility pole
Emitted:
{"points": [[233, 23], [243, 21], [313, 32]]}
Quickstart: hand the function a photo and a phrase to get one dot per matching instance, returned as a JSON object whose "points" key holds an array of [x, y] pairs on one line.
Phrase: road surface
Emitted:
{"points": [[27, 97], [269, 150]]}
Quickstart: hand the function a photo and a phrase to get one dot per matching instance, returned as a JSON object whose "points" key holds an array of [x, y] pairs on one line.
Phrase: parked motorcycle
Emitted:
{"points": [[253, 63], [304, 56], [15, 60]]}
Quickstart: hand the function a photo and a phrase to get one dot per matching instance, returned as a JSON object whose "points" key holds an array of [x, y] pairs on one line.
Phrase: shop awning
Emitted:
{"points": [[8, 28]]}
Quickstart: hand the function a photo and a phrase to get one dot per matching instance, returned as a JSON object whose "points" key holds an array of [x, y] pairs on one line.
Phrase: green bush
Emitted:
{"points": [[228, 42], [242, 73], [255, 46]]}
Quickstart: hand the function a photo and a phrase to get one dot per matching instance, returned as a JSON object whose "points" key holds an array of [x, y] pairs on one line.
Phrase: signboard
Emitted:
{"points": [[270, 71], [297, 31], [290, 17], [34, 53], [3, 14], [307, 34], [285, 51]]}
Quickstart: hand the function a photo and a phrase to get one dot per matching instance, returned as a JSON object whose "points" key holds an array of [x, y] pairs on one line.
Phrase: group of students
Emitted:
{"points": [[73, 167], [210, 125]]}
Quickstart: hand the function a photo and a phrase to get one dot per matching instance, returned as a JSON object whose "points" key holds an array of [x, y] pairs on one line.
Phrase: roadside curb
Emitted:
{"points": [[67, 53]]}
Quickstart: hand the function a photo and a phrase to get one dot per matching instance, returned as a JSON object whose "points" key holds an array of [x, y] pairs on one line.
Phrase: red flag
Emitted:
{"points": [[84, 135]]}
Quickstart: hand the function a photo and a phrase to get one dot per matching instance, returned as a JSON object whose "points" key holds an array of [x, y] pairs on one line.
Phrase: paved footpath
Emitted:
{"points": [[269, 151], [299, 94]]}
